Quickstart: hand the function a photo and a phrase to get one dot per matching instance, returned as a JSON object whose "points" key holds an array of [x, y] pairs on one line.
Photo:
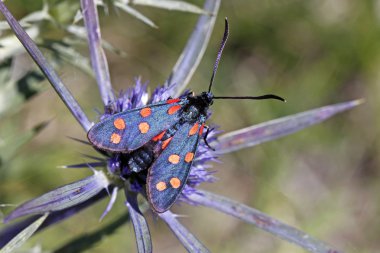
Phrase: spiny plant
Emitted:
{"points": [[137, 166]]}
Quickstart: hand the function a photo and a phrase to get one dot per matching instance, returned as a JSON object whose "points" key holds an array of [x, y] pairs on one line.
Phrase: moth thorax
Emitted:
{"points": [[192, 113]]}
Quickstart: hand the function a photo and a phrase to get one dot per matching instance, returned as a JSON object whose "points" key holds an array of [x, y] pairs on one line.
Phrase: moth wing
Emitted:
{"points": [[168, 174], [129, 130]]}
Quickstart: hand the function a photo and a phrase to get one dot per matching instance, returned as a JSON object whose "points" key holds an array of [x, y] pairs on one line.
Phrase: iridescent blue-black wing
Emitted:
{"points": [[129, 130], [168, 174]]}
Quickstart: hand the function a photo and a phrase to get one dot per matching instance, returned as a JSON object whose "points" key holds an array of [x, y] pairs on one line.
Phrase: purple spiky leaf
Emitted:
{"points": [[260, 220], [271, 130], [140, 226], [193, 52], [110, 203], [23, 236], [62, 197], [97, 55], [10, 231], [188, 240]]}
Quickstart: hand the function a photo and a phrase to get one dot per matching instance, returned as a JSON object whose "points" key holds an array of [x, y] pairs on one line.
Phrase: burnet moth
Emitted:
{"points": [[162, 138]]}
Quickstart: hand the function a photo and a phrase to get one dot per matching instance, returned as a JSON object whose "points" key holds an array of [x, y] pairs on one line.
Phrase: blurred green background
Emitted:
{"points": [[323, 180]]}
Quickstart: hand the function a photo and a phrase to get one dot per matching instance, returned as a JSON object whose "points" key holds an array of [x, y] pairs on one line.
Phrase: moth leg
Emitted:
{"points": [[205, 138]]}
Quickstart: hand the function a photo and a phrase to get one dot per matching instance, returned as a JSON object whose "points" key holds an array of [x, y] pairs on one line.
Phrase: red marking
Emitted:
{"points": [[174, 159], [166, 142], [171, 101], [194, 129], [173, 109], [145, 112], [175, 182], [144, 127], [189, 157], [160, 186], [201, 130], [119, 123], [159, 136], [115, 138]]}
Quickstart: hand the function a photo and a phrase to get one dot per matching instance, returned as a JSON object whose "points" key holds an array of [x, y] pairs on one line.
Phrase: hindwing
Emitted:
{"points": [[168, 174]]}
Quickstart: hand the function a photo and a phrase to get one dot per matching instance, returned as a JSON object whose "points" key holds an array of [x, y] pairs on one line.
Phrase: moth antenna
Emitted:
{"points": [[268, 96], [219, 55]]}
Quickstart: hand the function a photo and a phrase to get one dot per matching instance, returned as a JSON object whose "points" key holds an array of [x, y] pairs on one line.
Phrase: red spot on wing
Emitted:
{"points": [[166, 142], [174, 159], [160, 186], [175, 182], [145, 112], [201, 130], [144, 127], [194, 129], [119, 123], [115, 138], [159, 136], [189, 157], [173, 109], [171, 101]]}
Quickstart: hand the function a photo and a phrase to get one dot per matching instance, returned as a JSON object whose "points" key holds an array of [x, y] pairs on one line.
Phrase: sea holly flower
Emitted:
{"points": [[110, 173]]}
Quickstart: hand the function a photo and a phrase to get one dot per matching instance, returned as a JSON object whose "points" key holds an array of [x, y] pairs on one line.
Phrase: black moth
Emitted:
{"points": [[161, 139]]}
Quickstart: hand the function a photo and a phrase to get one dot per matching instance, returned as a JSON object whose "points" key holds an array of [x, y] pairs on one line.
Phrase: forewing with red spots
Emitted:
{"points": [[129, 130], [168, 174]]}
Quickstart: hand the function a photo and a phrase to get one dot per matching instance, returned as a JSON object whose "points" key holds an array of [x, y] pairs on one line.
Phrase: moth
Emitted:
{"points": [[162, 138]]}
